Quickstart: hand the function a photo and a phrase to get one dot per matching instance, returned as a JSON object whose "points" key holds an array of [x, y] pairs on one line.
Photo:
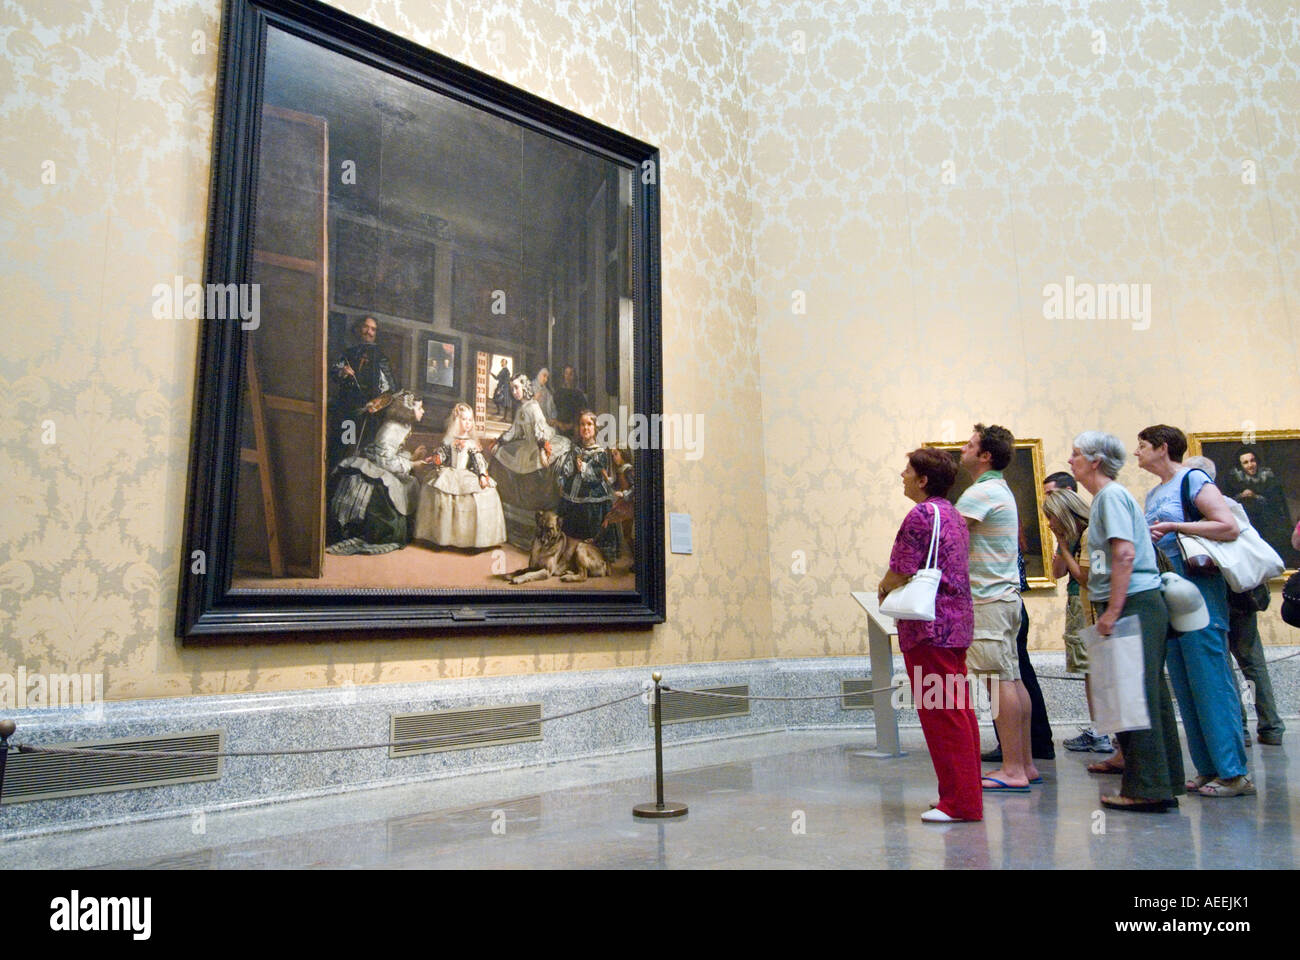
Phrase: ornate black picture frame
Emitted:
{"points": [[369, 198]]}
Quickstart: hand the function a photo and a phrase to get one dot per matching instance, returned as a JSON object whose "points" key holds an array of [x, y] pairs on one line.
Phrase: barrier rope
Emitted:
{"points": [[204, 755], [422, 741]]}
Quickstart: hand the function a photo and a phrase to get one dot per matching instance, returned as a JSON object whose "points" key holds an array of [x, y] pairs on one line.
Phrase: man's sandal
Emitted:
{"points": [[1194, 786]]}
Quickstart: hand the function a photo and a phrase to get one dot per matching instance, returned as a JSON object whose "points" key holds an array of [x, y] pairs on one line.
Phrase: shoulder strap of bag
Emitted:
{"points": [[1190, 513], [932, 555]]}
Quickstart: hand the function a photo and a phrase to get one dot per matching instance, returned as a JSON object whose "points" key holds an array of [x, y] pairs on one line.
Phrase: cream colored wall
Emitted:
{"points": [[924, 298], [818, 171], [91, 535]]}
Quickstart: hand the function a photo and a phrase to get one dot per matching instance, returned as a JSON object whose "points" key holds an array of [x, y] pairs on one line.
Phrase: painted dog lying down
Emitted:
{"points": [[556, 554]]}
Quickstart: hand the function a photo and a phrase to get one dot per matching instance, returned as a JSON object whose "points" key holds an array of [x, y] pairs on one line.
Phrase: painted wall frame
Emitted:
{"points": [[1024, 475], [443, 359], [278, 155], [1273, 504]]}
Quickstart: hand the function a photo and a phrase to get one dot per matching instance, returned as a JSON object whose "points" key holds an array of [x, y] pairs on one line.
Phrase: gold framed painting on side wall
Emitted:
{"points": [[1024, 475], [1260, 469]]}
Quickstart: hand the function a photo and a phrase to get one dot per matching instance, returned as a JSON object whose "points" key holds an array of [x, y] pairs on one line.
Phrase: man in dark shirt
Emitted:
{"points": [[361, 374], [569, 402]]}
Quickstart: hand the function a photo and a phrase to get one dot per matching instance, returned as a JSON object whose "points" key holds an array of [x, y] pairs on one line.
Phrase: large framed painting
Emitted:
{"points": [[1024, 475], [1261, 470], [401, 250]]}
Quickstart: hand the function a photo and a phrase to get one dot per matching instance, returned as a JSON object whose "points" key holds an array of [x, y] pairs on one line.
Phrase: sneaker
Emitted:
{"points": [[1083, 742], [1101, 744], [1270, 737]]}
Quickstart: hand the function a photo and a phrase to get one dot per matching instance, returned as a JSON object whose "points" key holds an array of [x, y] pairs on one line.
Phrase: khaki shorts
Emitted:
{"points": [[1076, 654], [994, 648]]}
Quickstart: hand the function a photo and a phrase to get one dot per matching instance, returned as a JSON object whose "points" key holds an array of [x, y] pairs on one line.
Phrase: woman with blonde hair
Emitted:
{"points": [[459, 504], [1067, 517]]}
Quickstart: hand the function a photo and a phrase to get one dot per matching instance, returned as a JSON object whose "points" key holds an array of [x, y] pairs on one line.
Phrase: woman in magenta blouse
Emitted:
{"points": [[935, 651]]}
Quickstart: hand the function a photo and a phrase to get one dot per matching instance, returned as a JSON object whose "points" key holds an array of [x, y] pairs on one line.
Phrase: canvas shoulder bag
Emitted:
{"points": [[1245, 562], [914, 600]]}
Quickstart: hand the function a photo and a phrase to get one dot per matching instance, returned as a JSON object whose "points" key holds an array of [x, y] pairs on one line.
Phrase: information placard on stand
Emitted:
{"points": [[879, 630]]}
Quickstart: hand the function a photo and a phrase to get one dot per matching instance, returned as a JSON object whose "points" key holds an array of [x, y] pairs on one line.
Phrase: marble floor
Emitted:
{"points": [[797, 800]]}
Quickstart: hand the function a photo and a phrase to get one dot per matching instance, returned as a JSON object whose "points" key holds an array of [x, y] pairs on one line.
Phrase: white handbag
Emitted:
{"points": [[1245, 562], [914, 600]]}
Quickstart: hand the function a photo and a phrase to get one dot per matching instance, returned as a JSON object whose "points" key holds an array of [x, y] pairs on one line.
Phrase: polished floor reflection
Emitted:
{"points": [[800, 800]]}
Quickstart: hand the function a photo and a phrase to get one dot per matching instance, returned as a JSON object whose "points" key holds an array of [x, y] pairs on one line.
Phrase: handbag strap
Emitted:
{"points": [[932, 555], [1190, 512]]}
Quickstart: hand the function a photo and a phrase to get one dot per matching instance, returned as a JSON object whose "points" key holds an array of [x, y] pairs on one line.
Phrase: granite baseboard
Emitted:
{"points": [[352, 715]]}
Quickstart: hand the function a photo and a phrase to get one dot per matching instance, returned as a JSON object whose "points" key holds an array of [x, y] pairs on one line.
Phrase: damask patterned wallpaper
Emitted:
{"points": [[862, 203], [112, 103], [922, 171]]}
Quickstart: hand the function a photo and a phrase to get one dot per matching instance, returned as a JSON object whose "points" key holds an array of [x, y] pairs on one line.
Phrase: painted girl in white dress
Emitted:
{"points": [[459, 504], [523, 457]]}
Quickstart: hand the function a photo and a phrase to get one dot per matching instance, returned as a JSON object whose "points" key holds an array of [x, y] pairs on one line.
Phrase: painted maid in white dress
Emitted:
{"points": [[459, 504]]}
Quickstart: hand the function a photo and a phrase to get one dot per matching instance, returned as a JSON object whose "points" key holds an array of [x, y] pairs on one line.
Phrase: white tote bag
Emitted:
{"points": [[1245, 562], [1119, 700], [914, 600]]}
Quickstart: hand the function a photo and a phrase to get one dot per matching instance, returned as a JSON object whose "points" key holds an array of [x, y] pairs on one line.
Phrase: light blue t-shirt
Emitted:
{"points": [[1165, 503], [1116, 515]]}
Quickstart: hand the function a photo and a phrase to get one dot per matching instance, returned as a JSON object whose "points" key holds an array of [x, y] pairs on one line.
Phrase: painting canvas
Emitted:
{"points": [[1024, 475], [1261, 470], [425, 240]]}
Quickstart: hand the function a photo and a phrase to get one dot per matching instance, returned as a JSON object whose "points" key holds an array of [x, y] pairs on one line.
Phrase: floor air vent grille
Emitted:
{"points": [[461, 726], [45, 776], [681, 707], [855, 695]]}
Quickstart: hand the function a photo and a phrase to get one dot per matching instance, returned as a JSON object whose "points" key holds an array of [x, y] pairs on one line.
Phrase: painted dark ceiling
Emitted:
{"points": [[492, 188]]}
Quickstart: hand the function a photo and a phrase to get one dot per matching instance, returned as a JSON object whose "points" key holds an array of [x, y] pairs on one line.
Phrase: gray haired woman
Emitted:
{"points": [[1124, 580]]}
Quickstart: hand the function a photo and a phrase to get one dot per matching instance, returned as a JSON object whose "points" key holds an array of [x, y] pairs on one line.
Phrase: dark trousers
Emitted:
{"points": [[1040, 730], [1248, 649], [1153, 758]]}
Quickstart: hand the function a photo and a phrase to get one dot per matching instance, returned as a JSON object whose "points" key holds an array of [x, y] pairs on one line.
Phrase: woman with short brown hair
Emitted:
{"points": [[935, 651]]}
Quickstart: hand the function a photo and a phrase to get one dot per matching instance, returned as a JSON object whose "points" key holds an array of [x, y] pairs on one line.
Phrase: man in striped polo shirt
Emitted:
{"points": [[990, 511]]}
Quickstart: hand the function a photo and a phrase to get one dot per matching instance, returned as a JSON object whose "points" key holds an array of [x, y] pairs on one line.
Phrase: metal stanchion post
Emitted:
{"points": [[7, 728], [659, 810]]}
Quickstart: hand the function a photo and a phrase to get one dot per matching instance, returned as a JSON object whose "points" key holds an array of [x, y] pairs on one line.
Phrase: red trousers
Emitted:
{"points": [[951, 732]]}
